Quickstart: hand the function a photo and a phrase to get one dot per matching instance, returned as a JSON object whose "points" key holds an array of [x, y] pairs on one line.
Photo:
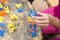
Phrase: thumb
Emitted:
{"points": [[40, 14]]}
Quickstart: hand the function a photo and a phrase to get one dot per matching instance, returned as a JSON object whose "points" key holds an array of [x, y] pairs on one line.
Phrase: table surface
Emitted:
{"points": [[21, 32]]}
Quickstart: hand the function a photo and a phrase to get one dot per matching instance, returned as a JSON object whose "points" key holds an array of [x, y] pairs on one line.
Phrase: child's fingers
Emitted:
{"points": [[42, 21], [42, 25], [40, 18], [40, 13]]}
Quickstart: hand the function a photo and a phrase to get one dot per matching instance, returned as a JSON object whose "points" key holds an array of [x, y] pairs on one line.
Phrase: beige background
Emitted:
{"points": [[41, 5]]}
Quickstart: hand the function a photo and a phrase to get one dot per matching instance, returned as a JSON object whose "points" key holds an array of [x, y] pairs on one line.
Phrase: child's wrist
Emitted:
{"points": [[55, 21]]}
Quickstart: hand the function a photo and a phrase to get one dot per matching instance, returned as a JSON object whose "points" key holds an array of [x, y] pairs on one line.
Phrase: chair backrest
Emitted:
{"points": [[39, 5]]}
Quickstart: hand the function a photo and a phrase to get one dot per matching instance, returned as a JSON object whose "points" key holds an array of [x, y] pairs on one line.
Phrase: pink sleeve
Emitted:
{"points": [[50, 29], [49, 11]]}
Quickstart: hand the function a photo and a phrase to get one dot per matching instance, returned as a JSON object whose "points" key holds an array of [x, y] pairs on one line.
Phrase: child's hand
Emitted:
{"points": [[42, 20]]}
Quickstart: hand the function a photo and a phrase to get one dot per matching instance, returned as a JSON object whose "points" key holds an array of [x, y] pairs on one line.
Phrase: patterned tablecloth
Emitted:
{"points": [[21, 24]]}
